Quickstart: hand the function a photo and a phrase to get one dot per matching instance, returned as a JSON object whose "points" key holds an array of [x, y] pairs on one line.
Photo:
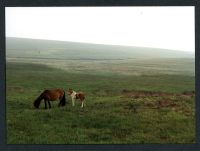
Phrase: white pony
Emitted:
{"points": [[74, 95]]}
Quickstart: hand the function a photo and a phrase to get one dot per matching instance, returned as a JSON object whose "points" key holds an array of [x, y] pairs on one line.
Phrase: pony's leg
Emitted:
{"points": [[45, 102], [82, 103], [73, 102], [59, 104], [49, 104]]}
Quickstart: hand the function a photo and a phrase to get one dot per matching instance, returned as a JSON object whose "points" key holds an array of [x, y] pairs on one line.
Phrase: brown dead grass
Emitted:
{"points": [[159, 100], [14, 88]]}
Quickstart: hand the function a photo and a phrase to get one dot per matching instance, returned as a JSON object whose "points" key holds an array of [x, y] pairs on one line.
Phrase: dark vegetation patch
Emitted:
{"points": [[139, 94]]}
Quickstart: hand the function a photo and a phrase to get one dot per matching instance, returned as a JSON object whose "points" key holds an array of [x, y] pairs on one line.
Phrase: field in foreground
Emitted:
{"points": [[121, 109]]}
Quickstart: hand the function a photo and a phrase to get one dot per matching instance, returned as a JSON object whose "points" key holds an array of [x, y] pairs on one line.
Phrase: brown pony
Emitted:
{"points": [[74, 95], [51, 95]]}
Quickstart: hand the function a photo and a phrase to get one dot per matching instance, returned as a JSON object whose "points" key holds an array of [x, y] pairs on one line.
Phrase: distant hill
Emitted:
{"points": [[34, 48]]}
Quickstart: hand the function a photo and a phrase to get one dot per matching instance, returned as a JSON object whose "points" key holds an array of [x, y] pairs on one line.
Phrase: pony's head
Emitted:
{"points": [[36, 103], [69, 91]]}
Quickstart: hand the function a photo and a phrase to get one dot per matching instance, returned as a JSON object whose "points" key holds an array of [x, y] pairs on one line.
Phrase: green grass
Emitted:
{"points": [[134, 67], [110, 117]]}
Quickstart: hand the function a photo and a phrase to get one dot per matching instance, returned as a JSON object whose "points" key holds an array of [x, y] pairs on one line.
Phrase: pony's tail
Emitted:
{"points": [[63, 100], [38, 101]]}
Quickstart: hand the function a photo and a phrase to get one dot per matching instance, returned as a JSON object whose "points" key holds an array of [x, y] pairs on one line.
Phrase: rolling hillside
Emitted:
{"points": [[21, 47], [134, 95]]}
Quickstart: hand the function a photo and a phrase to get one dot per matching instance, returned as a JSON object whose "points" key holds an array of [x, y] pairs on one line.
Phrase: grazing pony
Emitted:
{"points": [[51, 95], [74, 95]]}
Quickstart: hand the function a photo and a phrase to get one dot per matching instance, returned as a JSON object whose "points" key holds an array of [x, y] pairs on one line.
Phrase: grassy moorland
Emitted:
{"points": [[128, 102]]}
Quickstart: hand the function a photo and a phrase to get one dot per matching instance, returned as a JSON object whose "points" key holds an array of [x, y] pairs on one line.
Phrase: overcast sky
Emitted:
{"points": [[157, 27]]}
